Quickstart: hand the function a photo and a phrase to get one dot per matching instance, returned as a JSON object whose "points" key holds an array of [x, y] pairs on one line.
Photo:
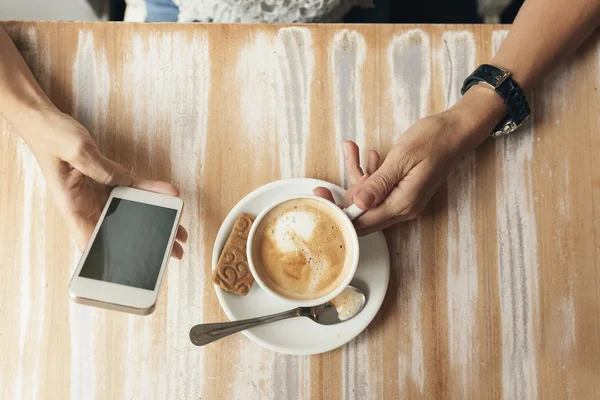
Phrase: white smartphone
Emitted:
{"points": [[124, 262]]}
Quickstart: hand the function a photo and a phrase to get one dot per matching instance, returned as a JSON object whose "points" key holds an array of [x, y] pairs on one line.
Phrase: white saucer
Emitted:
{"points": [[301, 336]]}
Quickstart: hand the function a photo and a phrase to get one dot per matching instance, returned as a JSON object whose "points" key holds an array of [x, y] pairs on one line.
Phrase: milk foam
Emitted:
{"points": [[301, 223], [347, 303], [291, 230], [301, 253]]}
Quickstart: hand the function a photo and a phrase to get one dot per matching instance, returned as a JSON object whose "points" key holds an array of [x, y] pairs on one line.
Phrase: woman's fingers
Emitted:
{"points": [[88, 159], [324, 193], [373, 162], [177, 251], [405, 201], [182, 234], [376, 189], [352, 154], [157, 187], [349, 195]]}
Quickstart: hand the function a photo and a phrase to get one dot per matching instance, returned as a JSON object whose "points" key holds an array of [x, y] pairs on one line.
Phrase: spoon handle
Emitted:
{"points": [[203, 334]]}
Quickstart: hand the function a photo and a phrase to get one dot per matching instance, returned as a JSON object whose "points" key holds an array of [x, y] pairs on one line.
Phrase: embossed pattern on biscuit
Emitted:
{"points": [[232, 272], [241, 227]]}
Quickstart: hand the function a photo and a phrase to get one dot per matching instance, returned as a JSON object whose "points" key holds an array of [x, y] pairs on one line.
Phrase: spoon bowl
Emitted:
{"points": [[343, 308], [324, 314]]}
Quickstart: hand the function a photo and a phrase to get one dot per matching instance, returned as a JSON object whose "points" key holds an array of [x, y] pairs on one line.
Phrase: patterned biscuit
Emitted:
{"points": [[232, 272]]}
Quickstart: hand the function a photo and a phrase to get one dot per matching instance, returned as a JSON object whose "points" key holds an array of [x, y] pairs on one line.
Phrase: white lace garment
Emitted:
{"points": [[266, 11]]}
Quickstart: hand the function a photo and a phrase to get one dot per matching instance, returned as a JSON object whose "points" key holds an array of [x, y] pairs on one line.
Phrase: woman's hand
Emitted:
{"points": [[418, 163], [79, 177]]}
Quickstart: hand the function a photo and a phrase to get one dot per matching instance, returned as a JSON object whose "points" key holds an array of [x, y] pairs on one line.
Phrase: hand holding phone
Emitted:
{"points": [[124, 261]]}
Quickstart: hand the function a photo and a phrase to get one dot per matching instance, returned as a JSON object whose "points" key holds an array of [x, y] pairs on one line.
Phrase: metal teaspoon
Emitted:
{"points": [[324, 314]]}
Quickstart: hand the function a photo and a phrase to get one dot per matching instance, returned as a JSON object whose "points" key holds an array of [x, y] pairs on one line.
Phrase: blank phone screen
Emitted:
{"points": [[130, 245]]}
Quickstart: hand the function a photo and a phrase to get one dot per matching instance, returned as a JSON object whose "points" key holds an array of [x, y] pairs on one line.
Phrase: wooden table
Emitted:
{"points": [[494, 292]]}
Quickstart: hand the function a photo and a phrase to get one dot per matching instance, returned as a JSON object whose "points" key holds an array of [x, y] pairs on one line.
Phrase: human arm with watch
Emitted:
{"points": [[544, 33]]}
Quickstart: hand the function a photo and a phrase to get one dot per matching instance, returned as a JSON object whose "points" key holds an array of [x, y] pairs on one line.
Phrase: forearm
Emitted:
{"points": [[545, 32], [20, 95]]}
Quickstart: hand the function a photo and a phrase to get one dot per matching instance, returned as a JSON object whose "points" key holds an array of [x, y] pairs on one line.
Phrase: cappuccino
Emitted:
{"points": [[301, 251]]}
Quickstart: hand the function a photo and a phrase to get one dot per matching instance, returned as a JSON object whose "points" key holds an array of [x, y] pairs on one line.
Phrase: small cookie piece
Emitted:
{"points": [[232, 272]]}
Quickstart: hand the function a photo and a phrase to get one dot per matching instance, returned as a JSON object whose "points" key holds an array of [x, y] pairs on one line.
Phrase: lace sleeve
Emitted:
{"points": [[266, 11]]}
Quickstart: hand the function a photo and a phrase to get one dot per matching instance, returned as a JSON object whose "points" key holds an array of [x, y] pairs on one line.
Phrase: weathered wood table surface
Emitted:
{"points": [[494, 292]]}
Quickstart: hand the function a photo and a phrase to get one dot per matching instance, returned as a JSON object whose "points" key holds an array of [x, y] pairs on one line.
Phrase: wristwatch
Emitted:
{"points": [[500, 81]]}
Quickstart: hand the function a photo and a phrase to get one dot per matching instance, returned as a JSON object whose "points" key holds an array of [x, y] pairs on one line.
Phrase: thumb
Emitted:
{"points": [[377, 186], [95, 165]]}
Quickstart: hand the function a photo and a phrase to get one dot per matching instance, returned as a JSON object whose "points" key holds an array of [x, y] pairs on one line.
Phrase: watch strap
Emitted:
{"points": [[514, 98]]}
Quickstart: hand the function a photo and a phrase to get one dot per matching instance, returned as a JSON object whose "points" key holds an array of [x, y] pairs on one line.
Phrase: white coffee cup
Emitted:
{"points": [[345, 217]]}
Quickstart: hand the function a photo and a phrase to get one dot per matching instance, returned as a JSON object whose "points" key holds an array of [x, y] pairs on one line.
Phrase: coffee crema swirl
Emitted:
{"points": [[301, 251]]}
